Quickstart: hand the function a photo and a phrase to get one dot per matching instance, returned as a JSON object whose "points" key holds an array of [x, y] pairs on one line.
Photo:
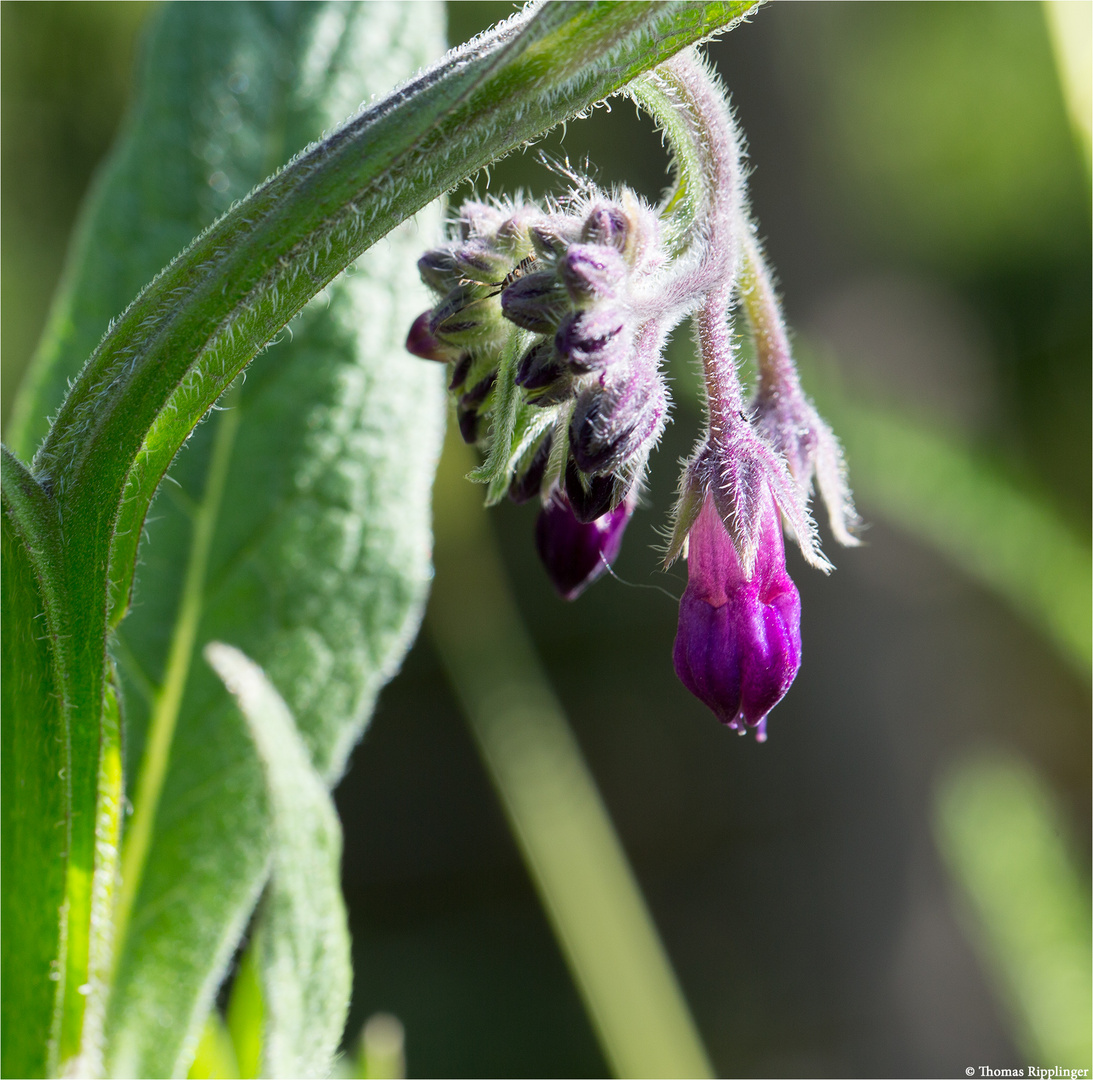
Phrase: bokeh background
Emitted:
{"points": [[925, 198]]}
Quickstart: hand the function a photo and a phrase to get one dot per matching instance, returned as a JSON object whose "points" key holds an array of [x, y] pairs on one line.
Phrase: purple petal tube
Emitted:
{"points": [[738, 647], [575, 553]]}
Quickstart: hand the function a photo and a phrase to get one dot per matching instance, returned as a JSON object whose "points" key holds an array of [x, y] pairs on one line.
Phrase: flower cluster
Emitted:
{"points": [[572, 281], [545, 319], [553, 322]]}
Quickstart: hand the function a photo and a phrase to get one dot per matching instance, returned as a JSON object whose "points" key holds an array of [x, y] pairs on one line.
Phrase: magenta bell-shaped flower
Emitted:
{"points": [[574, 552], [738, 647]]}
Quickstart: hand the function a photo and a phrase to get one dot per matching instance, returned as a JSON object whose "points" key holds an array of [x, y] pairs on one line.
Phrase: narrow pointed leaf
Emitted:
{"points": [[304, 936]]}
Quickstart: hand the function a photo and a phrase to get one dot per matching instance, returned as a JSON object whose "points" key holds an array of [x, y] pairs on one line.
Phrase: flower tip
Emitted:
{"points": [[738, 647], [422, 342], [576, 553]]}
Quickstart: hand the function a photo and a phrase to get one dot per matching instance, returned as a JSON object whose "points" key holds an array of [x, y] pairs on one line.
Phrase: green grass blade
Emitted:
{"points": [[1000, 832], [562, 828]]}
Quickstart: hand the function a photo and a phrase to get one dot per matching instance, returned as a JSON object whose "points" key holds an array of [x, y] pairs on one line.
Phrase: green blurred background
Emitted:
{"points": [[826, 898]]}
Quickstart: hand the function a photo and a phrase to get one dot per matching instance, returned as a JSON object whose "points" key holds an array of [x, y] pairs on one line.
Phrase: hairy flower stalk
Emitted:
{"points": [[553, 322], [782, 413]]}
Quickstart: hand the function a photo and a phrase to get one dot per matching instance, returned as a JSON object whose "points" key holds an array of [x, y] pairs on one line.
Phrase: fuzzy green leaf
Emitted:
{"points": [[296, 521], [304, 934]]}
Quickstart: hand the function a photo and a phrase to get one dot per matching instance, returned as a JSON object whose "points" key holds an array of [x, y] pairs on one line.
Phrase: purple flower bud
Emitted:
{"points": [[590, 497], [467, 325], [606, 224], [594, 339], [480, 262], [477, 394], [575, 553], [591, 271], [514, 233], [422, 342], [459, 372], [468, 420], [630, 227], [527, 483], [553, 234], [539, 367], [611, 424], [437, 270], [738, 648], [534, 302], [479, 219], [468, 408]]}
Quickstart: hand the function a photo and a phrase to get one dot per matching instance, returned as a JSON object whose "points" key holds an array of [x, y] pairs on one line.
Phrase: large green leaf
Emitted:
{"points": [[297, 523], [304, 938]]}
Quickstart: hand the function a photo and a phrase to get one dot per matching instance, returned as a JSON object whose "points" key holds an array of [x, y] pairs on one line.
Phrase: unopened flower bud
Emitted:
{"points": [[514, 233], [468, 325], [632, 229], [437, 270], [539, 367], [575, 552], [606, 224], [459, 372], [479, 261], [527, 481], [610, 425], [593, 340], [551, 236], [468, 408], [477, 395], [534, 302], [422, 342], [589, 496], [591, 271], [479, 219], [738, 647]]}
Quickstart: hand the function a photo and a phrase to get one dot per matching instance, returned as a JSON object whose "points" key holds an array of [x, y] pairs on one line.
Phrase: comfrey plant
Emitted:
{"points": [[553, 322], [155, 807]]}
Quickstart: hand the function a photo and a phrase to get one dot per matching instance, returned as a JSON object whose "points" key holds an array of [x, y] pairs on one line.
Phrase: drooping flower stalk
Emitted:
{"points": [[553, 321], [783, 414]]}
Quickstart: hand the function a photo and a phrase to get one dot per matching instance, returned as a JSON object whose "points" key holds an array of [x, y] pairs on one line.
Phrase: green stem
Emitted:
{"points": [[161, 729], [773, 355], [563, 829]]}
